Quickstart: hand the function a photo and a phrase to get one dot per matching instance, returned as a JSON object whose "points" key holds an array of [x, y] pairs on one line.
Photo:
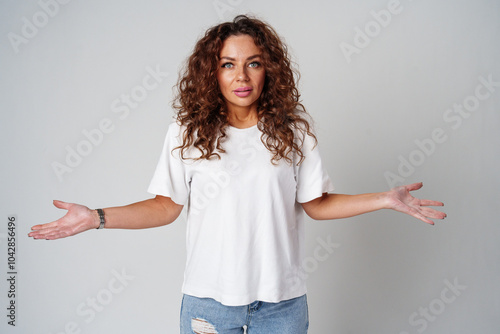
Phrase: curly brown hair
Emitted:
{"points": [[201, 107]]}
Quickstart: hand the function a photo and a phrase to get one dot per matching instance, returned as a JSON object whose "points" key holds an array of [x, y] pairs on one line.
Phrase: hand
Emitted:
{"points": [[78, 219], [401, 200]]}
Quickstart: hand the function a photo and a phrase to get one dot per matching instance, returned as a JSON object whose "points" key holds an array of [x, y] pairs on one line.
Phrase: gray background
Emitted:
{"points": [[388, 272]]}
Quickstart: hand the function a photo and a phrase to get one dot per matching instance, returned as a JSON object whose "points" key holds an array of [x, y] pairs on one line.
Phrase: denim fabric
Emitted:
{"points": [[207, 316]]}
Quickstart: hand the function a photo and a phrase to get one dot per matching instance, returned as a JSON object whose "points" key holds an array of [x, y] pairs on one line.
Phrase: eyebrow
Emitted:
{"points": [[233, 59]]}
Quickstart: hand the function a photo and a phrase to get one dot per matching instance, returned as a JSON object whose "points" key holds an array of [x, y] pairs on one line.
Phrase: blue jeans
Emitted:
{"points": [[207, 316]]}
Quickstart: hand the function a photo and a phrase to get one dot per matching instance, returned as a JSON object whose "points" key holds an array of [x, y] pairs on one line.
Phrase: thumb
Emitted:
{"points": [[61, 204], [414, 186]]}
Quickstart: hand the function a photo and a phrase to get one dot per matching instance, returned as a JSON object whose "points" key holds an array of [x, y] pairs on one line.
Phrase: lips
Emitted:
{"points": [[243, 91]]}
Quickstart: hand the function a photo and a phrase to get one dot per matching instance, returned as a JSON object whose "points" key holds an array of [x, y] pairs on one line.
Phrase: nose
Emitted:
{"points": [[242, 74]]}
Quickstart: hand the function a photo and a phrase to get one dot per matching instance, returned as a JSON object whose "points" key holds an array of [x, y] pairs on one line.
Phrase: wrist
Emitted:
{"points": [[385, 200]]}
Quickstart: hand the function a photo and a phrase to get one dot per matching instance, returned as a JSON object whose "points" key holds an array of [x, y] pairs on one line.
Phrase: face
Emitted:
{"points": [[241, 74]]}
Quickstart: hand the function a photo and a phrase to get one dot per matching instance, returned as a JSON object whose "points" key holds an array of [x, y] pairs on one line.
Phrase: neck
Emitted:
{"points": [[243, 117]]}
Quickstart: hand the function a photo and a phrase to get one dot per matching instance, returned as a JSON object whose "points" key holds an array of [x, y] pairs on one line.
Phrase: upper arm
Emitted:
{"points": [[311, 207]]}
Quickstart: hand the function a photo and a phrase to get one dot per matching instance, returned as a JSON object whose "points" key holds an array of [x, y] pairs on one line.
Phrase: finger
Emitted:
{"points": [[54, 236], [48, 235], [53, 224], [432, 213], [40, 236], [428, 202], [41, 233], [423, 218], [36, 235], [414, 186], [36, 227], [40, 227]]}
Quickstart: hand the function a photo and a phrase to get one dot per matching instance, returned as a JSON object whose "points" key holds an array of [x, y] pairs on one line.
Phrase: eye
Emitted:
{"points": [[254, 64], [227, 65]]}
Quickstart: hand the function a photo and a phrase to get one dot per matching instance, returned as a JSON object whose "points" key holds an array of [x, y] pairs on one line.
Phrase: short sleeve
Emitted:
{"points": [[170, 178], [312, 178]]}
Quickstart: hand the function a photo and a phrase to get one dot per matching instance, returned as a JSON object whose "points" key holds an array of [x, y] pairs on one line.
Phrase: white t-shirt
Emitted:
{"points": [[245, 226]]}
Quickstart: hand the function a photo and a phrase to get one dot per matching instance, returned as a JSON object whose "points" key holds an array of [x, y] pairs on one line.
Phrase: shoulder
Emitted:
{"points": [[303, 126], [175, 140], [176, 130], [175, 127], [304, 115]]}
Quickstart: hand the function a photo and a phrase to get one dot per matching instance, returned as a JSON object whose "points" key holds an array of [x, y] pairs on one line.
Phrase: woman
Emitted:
{"points": [[243, 158]]}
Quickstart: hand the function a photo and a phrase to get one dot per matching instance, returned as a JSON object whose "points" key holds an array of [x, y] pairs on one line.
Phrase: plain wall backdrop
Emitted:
{"points": [[401, 91]]}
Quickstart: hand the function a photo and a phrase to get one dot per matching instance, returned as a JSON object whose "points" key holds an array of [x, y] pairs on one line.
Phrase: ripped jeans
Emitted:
{"points": [[207, 316]]}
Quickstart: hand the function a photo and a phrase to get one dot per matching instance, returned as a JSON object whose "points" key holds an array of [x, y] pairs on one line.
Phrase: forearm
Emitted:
{"points": [[145, 214], [153, 212], [336, 206]]}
